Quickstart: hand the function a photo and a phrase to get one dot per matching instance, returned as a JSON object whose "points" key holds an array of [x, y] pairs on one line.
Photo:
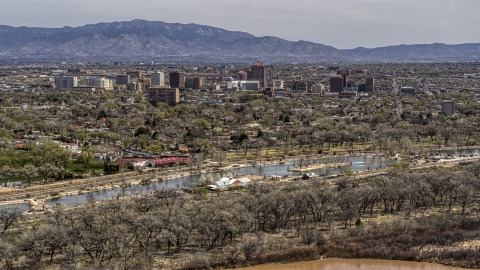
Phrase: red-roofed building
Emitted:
{"points": [[166, 161], [125, 161]]}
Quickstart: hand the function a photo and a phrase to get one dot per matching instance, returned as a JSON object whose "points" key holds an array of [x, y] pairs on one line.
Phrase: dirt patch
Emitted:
{"points": [[4, 189]]}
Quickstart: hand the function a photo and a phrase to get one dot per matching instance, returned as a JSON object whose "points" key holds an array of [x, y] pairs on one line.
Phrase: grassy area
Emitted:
{"points": [[73, 166], [78, 168]]}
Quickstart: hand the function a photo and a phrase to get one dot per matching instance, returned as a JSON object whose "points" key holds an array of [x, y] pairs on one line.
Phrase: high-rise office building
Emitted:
{"points": [[336, 84], [189, 83], [194, 82], [122, 79], [198, 82], [171, 96], [242, 76], [66, 83], [258, 74], [344, 80], [146, 82], [177, 79], [370, 85], [157, 79], [135, 74]]}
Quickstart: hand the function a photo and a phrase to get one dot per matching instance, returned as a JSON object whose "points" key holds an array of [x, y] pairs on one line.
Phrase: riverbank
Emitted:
{"points": [[73, 187], [106, 183], [319, 166], [351, 264]]}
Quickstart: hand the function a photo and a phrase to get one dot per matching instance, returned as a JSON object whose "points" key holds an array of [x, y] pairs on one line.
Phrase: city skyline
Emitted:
{"points": [[344, 25]]}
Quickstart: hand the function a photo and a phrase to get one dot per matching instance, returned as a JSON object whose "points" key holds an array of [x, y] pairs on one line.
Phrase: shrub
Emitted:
{"points": [[199, 191], [54, 193], [145, 182]]}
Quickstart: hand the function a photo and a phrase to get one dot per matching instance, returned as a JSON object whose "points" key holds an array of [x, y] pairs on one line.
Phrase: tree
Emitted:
{"points": [[202, 123], [242, 138], [29, 171], [9, 216], [8, 172], [8, 254], [203, 145], [142, 141], [143, 131], [205, 180], [156, 149], [87, 155], [61, 157], [48, 170], [5, 144], [220, 156]]}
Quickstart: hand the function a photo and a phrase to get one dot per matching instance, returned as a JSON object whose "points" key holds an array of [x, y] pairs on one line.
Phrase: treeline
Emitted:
{"points": [[43, 158], [266, 222]]}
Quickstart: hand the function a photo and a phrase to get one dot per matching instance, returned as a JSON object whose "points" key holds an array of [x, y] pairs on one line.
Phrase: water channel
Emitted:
{"points": [[358, 164], [352, 265]]}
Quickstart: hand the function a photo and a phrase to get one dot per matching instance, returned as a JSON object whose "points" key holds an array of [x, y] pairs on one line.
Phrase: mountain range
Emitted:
{"points": [[148, 39]]}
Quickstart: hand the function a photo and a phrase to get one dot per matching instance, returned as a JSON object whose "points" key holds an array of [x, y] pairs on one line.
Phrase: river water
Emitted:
{"points": [[358, 163], [352, 265]]}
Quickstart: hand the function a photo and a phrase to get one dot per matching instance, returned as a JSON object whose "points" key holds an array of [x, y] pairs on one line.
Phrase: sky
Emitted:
{"points": [[343, 24]]}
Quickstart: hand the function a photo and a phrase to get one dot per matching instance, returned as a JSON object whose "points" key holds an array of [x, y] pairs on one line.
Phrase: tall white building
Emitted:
{"points": [[100, 83], [158, 79], [66, 83]]}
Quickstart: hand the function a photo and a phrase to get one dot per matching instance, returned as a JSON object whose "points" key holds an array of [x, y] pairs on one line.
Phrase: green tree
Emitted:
{"points": [[142, 141], [156, 149], [87, 155]]}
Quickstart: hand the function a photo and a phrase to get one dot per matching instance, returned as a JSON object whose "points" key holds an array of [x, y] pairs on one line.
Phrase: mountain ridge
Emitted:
{"points": [[420, 52], [140, 38]]}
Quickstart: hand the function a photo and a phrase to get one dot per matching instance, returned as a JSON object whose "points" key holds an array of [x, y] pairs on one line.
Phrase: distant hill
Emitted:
{"points": [[420, 52], [139, 38], [153, 39]]}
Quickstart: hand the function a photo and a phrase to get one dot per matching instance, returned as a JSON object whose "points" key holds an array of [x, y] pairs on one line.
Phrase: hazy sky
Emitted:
{"points": [[340, 23]]}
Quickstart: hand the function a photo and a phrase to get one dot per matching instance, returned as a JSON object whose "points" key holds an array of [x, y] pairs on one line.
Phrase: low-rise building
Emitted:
{"points": [[228, 182]]}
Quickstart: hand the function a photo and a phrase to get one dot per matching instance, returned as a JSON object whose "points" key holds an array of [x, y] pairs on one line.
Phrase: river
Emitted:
{"points": [[358, 163], [352, 265]]}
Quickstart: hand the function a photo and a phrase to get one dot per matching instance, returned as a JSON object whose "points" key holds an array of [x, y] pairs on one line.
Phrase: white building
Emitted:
{"points": [[243, 85], [100, 83], [227, 182], [277, 84], [158, 79], [319, 89], [66, 83]]}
